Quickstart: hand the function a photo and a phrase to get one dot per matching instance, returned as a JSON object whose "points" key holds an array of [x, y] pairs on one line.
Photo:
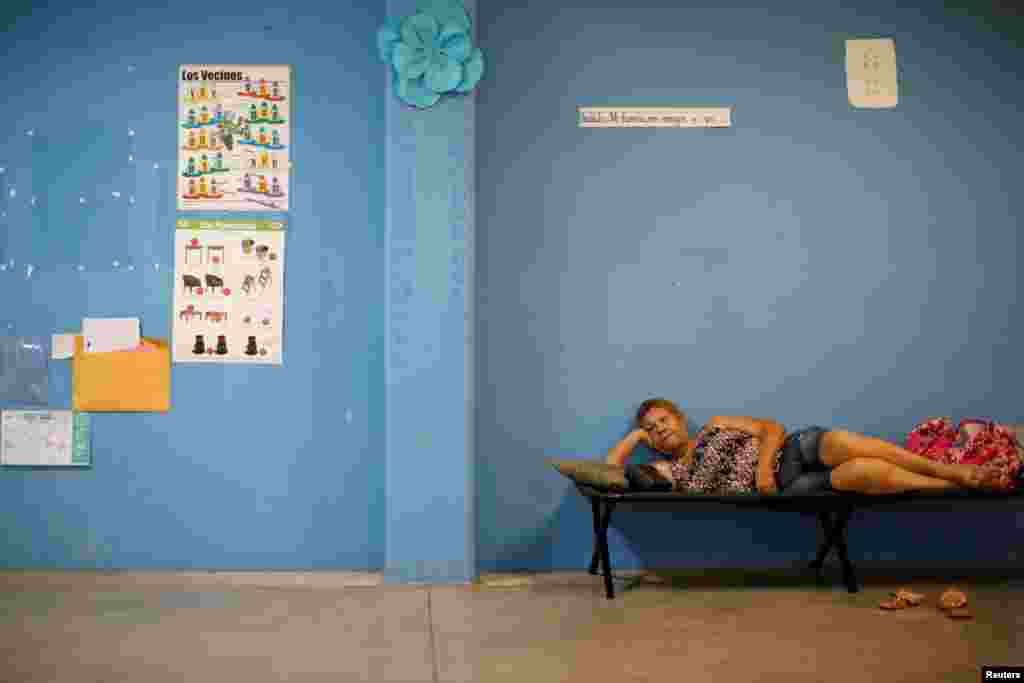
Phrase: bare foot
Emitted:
{"points": [[978, 477]]}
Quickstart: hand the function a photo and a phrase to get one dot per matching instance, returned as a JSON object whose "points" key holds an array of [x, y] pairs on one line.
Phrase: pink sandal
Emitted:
{"points": [[953, 602], [902, 599]]}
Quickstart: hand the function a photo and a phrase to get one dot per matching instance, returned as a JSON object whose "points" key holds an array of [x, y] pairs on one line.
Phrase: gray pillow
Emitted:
{"points": [[600, 475]]}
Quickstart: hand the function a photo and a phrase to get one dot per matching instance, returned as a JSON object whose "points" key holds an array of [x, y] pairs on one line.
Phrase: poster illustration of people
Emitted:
{"points": [[234, 135]]}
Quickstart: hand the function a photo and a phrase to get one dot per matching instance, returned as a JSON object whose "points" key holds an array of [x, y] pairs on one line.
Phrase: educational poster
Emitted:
{"points": [[228, 291], [234, 133], [45, 438], [871, 73]]}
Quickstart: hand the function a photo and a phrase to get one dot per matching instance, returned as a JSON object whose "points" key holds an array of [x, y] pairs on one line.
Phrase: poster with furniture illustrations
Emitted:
{"points": [[234, 135], [228, 291]]}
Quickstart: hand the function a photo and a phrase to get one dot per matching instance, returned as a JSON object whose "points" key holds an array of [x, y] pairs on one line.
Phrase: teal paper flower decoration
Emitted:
{"points": [[431, 53]]}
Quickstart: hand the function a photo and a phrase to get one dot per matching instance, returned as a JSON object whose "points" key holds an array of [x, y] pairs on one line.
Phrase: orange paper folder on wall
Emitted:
{"points": [[137, 381]]}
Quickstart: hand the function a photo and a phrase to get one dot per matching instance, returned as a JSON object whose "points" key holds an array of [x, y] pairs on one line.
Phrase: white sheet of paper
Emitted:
{"points": [[655, 117], [110, 334], [63, 346], [871, 73], [45, 437]]}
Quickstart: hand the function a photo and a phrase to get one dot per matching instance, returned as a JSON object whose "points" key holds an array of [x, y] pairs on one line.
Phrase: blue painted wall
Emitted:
{"points": [[254, 467], [812, 263]]}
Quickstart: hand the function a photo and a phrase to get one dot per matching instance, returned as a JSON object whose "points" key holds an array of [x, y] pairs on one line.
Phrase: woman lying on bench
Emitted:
{"points": [[744, 454]]}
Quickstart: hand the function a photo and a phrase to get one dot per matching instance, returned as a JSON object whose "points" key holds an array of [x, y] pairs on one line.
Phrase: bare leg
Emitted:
{"points": [[874, 476], [838, 447]]}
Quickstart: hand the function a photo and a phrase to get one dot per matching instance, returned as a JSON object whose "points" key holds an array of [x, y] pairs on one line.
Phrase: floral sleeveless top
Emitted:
{"points": [[724, 462]]}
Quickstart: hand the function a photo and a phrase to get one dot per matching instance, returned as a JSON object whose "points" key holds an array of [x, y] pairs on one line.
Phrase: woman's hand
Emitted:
{"points": [[620, 452], [771, 435], [642, 437]]}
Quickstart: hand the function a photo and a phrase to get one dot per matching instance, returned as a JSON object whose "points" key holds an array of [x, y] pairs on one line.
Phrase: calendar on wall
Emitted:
{"points": [[53, 438]]}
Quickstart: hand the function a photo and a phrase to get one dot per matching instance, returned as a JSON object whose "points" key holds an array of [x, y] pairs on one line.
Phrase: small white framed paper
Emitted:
{"points": [[871, 73]]}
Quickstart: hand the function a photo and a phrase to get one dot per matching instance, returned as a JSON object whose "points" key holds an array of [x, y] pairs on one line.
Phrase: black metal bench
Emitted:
{"points": [[833, 511]]}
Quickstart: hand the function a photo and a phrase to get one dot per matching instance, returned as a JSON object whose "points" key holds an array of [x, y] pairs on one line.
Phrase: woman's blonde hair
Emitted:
{"points": [[663, 403]]}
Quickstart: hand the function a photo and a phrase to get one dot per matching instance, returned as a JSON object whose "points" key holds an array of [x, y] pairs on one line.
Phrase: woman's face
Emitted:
{"points": [[665, 429]]}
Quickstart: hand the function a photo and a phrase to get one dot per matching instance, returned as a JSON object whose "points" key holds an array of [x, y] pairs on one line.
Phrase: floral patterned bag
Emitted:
{"points": [[974, 441], [932, 438]]}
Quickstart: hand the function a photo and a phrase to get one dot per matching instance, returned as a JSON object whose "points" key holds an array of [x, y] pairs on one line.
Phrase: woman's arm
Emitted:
{"points": [[620, 452], [771, 435]]}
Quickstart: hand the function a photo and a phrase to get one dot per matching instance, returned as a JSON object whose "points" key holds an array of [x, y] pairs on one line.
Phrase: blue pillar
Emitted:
{"points": [[430, 513]]}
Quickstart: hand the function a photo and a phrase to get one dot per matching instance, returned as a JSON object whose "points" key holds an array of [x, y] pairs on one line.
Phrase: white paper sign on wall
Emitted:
{"points": [[871, 73], [655, 117]]}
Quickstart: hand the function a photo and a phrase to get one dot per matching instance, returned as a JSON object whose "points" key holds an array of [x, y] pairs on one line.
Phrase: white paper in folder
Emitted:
{"points": [[62, 347], [110, 334]]}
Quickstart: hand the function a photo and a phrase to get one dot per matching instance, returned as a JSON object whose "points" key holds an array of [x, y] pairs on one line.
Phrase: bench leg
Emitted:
{"points": [[600, 557], [842, 518], [835, 535], [824, 548], [595, 559]]}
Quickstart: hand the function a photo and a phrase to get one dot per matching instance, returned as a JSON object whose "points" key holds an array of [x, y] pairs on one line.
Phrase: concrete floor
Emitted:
{"points": [[83, 627]]}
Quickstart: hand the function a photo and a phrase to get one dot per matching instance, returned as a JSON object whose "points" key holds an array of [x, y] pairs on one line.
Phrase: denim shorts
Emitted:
{"points": [[800, 470]]}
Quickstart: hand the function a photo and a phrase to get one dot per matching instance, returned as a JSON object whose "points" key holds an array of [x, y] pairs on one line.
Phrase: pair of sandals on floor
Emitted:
{"points": [[953, 602]]}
